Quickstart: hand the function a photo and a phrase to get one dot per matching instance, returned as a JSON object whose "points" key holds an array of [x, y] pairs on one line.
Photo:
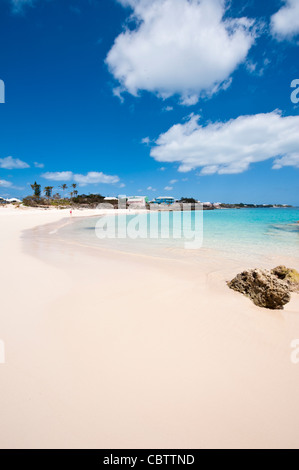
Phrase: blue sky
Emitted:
{"points": [[176, 97]]}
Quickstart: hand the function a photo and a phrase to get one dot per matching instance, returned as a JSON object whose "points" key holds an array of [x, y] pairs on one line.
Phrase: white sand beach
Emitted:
{"points": [[112, 350]]}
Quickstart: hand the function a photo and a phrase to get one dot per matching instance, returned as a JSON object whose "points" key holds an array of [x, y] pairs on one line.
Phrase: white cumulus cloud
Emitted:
{"points": [[184, 47], [230, 147], [58, 175], [93, 177], [5, 184], [10, 163], [167, 109], [285, 23], [39, 165]]}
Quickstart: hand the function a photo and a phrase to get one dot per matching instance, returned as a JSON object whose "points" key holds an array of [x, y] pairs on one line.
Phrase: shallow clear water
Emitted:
{"points": [[244, 231], [274, 231]]}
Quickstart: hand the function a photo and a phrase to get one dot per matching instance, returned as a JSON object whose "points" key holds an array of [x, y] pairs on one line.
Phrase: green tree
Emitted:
{"points": [[74, 193], [36, 188], [188, 200], [64, 188], [48, 191]]}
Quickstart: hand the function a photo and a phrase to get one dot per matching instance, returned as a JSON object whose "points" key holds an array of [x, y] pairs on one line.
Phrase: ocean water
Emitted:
{"points": [[274, 231], [244, 232]]}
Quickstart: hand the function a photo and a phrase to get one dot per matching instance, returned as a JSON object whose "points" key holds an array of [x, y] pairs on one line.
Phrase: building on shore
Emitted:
{"points": [[110, 199], [10, 201], [137, 201], [13, 199], [164, 200]]}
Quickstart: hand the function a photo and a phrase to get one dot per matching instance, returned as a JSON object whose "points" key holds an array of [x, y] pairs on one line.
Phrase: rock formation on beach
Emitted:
{"points": [[268, 289], [290, 276]]}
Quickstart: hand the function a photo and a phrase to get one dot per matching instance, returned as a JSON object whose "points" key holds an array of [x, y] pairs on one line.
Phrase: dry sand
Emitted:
{"points": [[111, 350]]}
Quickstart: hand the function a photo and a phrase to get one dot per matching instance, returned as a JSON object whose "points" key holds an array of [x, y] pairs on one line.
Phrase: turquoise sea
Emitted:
{"points": [[274, 231], [242, 231]]}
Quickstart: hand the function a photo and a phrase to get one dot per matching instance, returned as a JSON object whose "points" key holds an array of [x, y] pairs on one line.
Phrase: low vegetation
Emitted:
{"points": [[70, 198]]}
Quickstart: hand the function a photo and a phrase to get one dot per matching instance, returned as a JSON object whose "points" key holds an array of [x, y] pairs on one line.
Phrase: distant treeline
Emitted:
{"points": [[46, 198]]}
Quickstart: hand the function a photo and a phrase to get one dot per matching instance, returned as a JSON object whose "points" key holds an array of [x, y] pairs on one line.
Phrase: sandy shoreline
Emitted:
{"points": [[115, 351]]}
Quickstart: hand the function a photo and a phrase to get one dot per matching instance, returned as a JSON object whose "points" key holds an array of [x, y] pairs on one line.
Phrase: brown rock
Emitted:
{"points": [[290, 276], [263, 288]]}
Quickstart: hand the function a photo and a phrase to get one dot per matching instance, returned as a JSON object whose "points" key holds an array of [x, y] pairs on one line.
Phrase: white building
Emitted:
{"points": [[139, 201], [13, 199], [10, 201]]}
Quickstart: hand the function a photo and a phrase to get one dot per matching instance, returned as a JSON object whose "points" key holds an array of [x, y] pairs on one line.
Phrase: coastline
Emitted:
{"points": [[109, 350]]}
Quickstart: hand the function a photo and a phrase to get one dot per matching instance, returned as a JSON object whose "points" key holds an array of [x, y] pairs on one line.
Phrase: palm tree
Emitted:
{"points": [[48, 191], [74, 192], [64, 188], [36, 189]]}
